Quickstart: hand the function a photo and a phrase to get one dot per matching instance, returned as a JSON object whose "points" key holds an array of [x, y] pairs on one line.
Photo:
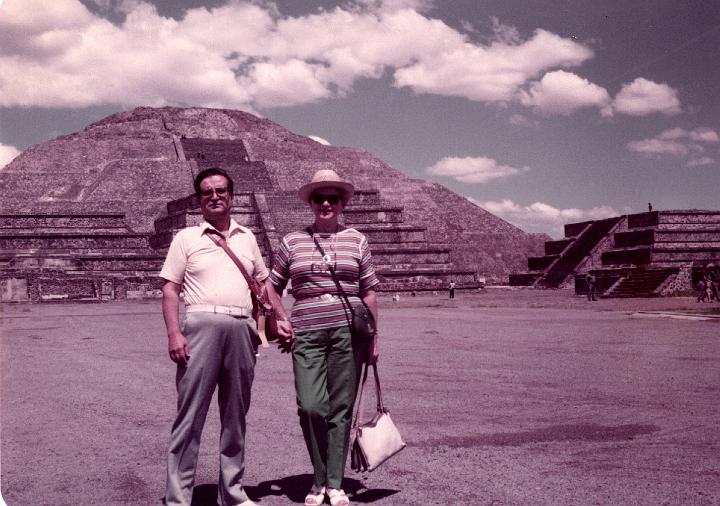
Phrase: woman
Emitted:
{"points": [[326, 360]]}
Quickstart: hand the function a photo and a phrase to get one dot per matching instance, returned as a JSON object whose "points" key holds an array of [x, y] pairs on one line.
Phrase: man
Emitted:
{"points": [[451, 288], [218, 340], [592, 286]]}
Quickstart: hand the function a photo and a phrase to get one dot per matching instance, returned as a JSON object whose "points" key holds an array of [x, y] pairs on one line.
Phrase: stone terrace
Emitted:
{"points": [[88, 257]]}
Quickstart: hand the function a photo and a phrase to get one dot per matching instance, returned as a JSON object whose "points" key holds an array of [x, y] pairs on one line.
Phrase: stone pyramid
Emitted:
{"points": [[89, 215]]}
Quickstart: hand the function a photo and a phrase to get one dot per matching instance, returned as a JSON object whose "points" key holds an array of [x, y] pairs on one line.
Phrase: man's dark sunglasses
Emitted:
{"points": [[320, 199]]}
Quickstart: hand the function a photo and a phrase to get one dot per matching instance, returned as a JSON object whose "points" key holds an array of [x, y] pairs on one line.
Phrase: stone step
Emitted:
{"points": [[554, 248], [63, 221], [658, 218], [627, 256], [245, 216], [573, 230], [541, 263], [162, 240], [699, 217], [202, 149], [364, 197], [688, 227], [409, 256], [413, 267], [640, 283], [678, 238], [72, 241], [372, 214], [685, 256], [392, 233], [426, 279], [67, 230], [190, 202], [692, 246], [89, 262], [411, 248]]}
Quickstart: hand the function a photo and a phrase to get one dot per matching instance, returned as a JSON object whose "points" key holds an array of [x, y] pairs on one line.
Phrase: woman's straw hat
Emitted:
{"points": [[327, 178]]}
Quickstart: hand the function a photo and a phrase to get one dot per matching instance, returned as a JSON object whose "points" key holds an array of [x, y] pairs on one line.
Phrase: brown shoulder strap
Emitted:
{"points": [[220, 241]]}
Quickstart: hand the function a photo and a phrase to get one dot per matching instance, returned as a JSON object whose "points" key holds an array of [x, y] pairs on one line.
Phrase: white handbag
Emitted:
{"points": [[375, 441]]}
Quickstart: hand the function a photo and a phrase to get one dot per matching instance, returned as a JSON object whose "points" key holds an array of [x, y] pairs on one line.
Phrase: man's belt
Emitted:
{"points": [[238, 311]]}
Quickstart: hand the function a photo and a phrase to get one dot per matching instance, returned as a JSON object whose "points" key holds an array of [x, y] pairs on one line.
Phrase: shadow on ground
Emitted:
{"points": [[292, 487]]}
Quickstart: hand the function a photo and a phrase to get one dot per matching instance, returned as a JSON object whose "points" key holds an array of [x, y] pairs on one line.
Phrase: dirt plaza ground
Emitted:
{"points": [[507, 397]]}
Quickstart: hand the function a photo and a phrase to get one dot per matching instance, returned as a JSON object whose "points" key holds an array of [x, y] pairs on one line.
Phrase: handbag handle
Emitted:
{"points": [[378, 394]]}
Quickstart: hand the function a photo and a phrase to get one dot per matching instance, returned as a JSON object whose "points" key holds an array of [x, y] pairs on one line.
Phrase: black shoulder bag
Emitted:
{"points": [[362, 325]]}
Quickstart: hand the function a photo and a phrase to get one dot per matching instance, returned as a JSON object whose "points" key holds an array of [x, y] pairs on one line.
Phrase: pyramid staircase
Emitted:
{"points": [[639, 283], [563, 257], [403, 258], [185, 212]]}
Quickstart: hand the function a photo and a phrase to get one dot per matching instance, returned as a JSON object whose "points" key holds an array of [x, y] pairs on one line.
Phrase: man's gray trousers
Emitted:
{"points": [[222, 353]]}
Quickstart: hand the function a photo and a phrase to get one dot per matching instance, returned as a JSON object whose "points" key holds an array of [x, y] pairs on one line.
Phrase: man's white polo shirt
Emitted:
{"points": [[207, 273]]}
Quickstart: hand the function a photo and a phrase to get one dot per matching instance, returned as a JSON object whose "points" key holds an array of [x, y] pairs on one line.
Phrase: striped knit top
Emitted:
{"points": [[299, 259]]}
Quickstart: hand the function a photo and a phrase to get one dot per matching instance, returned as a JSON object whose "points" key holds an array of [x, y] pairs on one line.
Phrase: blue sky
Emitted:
{"points": [[542, 112]]}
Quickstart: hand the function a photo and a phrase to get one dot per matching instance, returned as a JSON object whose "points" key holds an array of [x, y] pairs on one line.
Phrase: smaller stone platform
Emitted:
{"points": [[638, 255]]}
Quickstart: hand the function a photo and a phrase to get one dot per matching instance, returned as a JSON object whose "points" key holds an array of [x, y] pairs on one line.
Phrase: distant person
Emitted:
{"points": [[451, 288], [591, 281], [649, 207], [217, 342], [703, 286], [714, 281], [327, 359]]}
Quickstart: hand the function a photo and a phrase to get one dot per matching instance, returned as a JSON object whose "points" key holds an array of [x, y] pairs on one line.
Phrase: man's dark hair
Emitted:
{"points": [[212, 171]]}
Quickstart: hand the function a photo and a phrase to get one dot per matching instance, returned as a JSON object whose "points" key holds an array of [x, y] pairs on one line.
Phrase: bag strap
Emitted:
{"points": [[337, 283], [252, 283], [346, 301], [378, 394]]}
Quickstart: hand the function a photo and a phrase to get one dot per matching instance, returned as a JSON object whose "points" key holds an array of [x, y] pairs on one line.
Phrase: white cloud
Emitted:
{"points": [[561, 92], [59, 54], [395, 5], [521, 120], [320, 140], [473, 170], [7, 154], [704, 135], [490, 73], [659, 147], [677, 142], [700, 162], [541, 217], [643, 97]]}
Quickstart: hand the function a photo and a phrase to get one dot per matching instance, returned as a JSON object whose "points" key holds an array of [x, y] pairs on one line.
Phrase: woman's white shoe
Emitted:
{"points": [[315, 497], [338, 497]]}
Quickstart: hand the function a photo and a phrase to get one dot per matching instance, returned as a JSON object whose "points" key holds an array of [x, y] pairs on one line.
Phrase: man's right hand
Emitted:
{"points": [[179, 349]]}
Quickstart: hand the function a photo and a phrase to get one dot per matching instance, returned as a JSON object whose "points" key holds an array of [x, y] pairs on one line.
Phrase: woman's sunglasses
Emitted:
{"points": [[320, 199]]}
